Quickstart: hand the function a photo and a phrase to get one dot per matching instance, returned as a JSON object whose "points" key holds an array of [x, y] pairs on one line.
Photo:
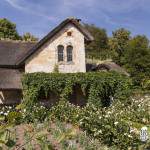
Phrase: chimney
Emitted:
{"points": [[79, 20]]}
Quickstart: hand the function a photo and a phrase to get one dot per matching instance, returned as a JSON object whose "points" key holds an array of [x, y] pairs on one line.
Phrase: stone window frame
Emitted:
{"points": [[65, 62], [60, 53], [69, 53]]}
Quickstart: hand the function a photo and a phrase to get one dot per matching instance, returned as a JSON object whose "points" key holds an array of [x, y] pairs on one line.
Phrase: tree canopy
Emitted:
{"points": [[99, 46], [137, 58], [29, 37], [8, 30], [119, 43]]}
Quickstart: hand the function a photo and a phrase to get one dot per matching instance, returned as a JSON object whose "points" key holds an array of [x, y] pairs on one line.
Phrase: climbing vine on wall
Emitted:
{"points": [[98, 87]]}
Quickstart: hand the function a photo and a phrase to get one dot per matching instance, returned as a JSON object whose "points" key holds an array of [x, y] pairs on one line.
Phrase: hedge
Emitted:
{"points": [[98, 87]]}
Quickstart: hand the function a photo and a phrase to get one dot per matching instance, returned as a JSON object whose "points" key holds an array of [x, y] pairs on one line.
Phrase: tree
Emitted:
{"points": [[8, 30], [98, 47], [137, 58], [29, 37], [119, 43]]}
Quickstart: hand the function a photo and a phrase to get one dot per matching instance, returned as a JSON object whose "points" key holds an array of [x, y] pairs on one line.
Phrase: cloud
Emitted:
{"points": [[111, 13], [26, 7], [59, 9]]}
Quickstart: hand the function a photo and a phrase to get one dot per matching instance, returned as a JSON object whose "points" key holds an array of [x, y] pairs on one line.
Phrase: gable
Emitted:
{"points": [[46, 57], [85, 33]]}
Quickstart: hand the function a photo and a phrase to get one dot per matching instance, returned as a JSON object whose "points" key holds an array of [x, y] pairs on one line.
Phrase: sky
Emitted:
{"points": [[40, 16]]}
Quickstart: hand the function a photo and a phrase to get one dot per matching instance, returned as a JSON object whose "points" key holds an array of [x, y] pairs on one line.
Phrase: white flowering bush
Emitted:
{"points": [[108, 127], [118, 125], [10, 114], [66, 112], [4, 110], [37, 113]]}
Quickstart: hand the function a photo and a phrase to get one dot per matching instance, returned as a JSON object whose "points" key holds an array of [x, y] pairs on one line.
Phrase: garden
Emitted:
{"points": [[111, 119]]}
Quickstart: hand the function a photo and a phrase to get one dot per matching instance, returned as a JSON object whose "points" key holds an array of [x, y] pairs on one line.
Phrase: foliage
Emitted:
{"points": [[8, 30], [56, 69], [38, 114], [136, 59], [71, 137], [98, 47], [50, 136], [146, 84], [11, 114], [70, 112], [14, 117], [4, 110], [97, 87], [29, 37], [7, 136], [119, 43], [118, 125]]}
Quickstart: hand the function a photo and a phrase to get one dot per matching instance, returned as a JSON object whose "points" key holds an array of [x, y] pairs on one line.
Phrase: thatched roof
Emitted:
{"points": [[110, 66], [10, 79], [12, 51]]}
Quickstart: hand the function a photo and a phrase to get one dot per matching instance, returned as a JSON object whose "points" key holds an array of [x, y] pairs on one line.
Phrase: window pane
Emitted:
{"points": [[69, 53], [60, 53]]}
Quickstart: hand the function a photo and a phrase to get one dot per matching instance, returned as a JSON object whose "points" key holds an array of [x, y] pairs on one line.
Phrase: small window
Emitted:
{"points": [[69, 33], [69, 53], [60, 53]]}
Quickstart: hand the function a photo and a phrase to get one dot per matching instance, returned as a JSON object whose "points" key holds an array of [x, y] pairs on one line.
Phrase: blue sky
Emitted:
{"points": [[40, 16]]}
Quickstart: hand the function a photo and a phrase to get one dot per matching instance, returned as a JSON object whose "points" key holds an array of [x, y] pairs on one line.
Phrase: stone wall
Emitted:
{"points": [[45, 59], [10, 97]]}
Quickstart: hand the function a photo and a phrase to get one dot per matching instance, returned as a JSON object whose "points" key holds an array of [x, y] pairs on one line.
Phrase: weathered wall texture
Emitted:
{"points": [[10, 97], [46, 57]]}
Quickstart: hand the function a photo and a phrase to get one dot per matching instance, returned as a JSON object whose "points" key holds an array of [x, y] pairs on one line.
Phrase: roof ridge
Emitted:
{"points": [[16, 41]]}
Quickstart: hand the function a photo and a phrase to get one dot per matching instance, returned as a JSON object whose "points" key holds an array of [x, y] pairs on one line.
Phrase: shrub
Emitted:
{"points": [[118, 125], [97, 87], [14, 117], [38, 114], [65, 112], [146, 84]]}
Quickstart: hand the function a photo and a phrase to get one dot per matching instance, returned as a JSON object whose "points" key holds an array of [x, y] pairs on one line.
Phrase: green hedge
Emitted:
{"points": [[97, 87]]}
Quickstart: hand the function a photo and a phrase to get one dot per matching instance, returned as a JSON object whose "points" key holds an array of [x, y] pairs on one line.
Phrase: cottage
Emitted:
{"points": [[64, 46]]}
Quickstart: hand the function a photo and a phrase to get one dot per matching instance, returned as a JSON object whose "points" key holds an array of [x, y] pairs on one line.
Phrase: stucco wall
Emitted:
{"points": [[46, 57], [10, 97]]}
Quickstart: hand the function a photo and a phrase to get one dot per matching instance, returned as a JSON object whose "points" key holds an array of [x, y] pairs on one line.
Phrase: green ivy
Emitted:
{"points": [[97, 87]]}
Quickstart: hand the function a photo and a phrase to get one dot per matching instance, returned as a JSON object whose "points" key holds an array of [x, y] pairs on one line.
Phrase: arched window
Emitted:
{"points": [[60, 53], [69, 53]]}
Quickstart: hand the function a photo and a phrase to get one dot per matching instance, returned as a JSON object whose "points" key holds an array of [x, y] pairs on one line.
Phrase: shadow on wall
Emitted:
{"points": [[10, 97], [76, 98]]}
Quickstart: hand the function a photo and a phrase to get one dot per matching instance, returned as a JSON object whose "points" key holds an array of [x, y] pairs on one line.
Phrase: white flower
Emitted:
{"points": [[144, 128], [100, 117], [109, 112], [129, 136], [5, 114], [116, 123], [100, 131]]}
